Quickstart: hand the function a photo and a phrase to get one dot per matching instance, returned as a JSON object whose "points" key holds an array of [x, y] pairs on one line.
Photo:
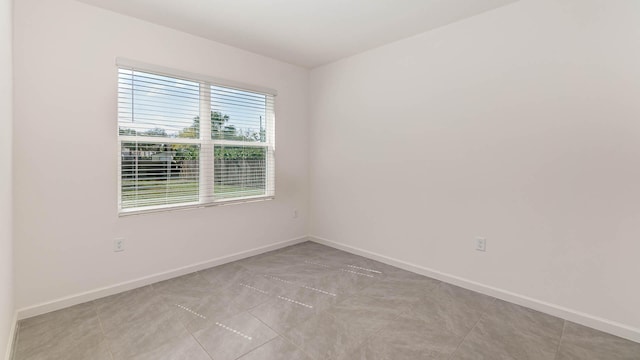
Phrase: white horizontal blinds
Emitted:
{"points": [[155, 114], [240, 171], [157, 105], [242, 125], [238, 114], [169, 157], [156, 174]]}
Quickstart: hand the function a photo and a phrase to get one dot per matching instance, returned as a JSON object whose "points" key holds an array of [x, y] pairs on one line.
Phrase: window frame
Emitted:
{"points": [[206, 142]]}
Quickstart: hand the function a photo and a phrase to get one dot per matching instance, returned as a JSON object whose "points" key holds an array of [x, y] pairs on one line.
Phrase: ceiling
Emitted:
{"points": [[308, 33]]}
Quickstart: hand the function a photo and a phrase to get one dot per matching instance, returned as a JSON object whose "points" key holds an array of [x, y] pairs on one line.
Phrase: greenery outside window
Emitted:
{"points": [[169, 157]]}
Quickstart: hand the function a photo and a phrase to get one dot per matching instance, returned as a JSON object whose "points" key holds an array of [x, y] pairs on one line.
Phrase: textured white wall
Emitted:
{"points": [[520, 125], [66, 153], [6, 120]]}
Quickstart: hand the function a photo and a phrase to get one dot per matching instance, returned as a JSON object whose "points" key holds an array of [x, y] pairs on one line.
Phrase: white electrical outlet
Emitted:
{"points": [[481, 244], [118, 244], [295, 213]]}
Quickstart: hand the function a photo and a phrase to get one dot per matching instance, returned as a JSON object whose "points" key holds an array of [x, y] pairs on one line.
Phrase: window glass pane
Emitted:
{"points": [[238, 115], [239, 171], [157, 105], [159, 174]]}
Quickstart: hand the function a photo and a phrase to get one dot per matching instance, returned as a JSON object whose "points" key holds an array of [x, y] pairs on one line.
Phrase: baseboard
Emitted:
{"points": [[80, 298], [611, 327], [13, 334]]}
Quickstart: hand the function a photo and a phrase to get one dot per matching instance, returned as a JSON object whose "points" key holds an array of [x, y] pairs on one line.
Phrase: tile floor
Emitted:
{"points": [[308, 301]]}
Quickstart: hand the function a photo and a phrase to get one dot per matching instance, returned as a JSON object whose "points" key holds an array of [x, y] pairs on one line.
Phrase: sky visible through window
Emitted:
{"points": [[156, 105]]}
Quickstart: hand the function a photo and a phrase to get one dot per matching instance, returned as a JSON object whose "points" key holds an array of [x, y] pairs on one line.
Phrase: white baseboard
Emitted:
{"points": [[13, 333], [80, 298], [608, 326]]}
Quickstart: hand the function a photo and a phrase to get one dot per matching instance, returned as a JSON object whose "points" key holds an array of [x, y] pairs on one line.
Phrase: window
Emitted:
{"points": [[170, 157]]}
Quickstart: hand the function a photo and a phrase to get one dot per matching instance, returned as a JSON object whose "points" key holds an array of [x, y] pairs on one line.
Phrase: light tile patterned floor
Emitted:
{"points": [[308, 301]]}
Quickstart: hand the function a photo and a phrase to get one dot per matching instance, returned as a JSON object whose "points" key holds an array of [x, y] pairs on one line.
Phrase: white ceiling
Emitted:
{"points": [[303, 32]]}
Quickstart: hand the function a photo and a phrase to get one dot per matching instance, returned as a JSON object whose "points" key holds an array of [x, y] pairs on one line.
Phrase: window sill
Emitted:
{"points": [[189, 206]]}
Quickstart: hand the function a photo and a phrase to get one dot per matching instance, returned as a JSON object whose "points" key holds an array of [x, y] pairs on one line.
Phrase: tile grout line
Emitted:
{"points": [[104, 335], [365, 269], [357, 273], [197, 341], [564, 325], [470, 331], [281, 335], [375, 332], [190, 311], [295, 302], [184, 326], [234, 331], [14, 350], [382, 328], [299, 284], [254, 349]]}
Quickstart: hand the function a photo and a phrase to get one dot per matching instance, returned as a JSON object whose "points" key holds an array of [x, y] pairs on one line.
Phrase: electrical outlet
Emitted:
{"points": [[118, 244], [481, 244], [295, 213]]}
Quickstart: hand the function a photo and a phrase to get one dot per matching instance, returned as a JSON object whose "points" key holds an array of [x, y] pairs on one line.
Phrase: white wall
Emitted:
{"points": [[6, 120], [66, 153], [520, 125]]}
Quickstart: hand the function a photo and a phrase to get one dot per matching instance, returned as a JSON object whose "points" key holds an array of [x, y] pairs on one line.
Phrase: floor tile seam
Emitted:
{"points": [[274, 278], [197, 341], [163, 298], [564, 326], [480, 318], [308, 304], [375, 297], [162, 303], [14, 351], [204, 277], [300, 284], [211, 320], [139, 321], [377, 281], [281, 335], [128, 322], [319, 263], [199, 272], [526, 332], [382, 328], [272, 298], [375, 332], [340, 302], [196, 274], [438, 284], [255, 349], [219, 283], [104, 335], [399, 313], [319, 290], [56, 321], [184, 327], [137, 352], [271, 295], [39, 346]]}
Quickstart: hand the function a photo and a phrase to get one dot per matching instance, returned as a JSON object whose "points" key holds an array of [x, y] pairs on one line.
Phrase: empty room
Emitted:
{"points": [[320, 179]]}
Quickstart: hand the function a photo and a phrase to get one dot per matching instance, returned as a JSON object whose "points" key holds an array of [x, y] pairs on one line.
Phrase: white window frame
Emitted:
{"points": [[206, 166]]}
